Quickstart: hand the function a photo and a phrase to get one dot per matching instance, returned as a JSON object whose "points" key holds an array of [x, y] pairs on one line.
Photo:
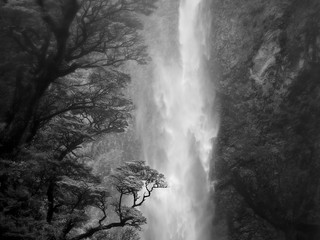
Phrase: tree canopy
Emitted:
{"points": [[62, 85], [47, 41]]}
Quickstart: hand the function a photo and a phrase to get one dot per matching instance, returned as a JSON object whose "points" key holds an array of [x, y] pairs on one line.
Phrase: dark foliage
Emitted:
{"points": [[45, 41], [61, 87]]}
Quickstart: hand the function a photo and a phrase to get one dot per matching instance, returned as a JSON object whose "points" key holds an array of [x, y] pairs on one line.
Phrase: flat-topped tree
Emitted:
{"points": [[79, 206], [133, 179]]}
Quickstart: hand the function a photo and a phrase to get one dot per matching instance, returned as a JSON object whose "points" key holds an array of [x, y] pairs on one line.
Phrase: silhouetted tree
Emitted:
{"points": [[75, 189], [50, 40], [62, 88]]}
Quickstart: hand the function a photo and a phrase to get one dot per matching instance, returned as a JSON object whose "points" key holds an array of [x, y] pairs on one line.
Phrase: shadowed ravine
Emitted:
{"points": [[178, 135]]}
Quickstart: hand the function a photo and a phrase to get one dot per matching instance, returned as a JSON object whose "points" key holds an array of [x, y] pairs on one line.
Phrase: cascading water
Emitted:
{"points": [[177, 126]]}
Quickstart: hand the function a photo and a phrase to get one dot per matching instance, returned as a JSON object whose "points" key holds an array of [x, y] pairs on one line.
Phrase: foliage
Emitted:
{"points": [[62, 87], [54, 40], [65, 214]]}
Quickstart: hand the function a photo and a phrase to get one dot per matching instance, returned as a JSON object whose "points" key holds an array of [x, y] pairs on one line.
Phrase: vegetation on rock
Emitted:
{"points": [[267, 165]]}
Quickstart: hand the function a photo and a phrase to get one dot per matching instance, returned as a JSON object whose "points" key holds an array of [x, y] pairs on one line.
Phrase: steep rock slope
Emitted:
{"points": [[266, 60]]}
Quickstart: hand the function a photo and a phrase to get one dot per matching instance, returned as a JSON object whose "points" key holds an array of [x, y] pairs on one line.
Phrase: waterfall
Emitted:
{"points": [[177, 125]]}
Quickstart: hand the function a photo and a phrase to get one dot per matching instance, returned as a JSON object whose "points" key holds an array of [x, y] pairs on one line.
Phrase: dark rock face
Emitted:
{"points": [[267, 68]]}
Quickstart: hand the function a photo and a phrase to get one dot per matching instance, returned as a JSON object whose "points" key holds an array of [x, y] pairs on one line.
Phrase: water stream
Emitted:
{"points": [[177, 127]]}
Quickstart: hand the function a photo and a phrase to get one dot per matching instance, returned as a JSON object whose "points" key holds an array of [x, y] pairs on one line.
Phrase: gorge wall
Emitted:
{"points": [[266, 60]]}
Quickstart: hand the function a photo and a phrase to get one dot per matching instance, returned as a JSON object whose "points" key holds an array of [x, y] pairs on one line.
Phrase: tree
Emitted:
{"points": [[74, 111], [63, 89], [56, 39], [129, 180], [74, 193]]}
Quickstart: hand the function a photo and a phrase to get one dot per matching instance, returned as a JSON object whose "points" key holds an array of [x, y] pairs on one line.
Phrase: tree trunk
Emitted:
{"points": [[22, 112], [25, 103]]}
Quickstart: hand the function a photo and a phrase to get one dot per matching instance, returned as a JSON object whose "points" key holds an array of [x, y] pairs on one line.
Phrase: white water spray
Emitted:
{"points": [[177, 137]]}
